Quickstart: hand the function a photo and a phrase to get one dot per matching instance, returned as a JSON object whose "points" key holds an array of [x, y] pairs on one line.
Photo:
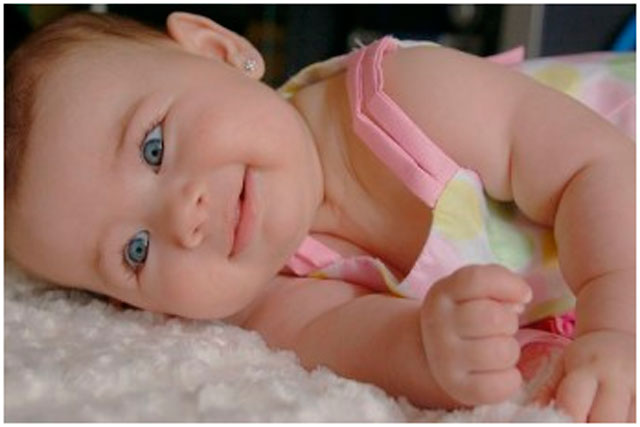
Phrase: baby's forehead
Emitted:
{"points": [[81, 103], [79, 65], [87, 71], [99, 51]]}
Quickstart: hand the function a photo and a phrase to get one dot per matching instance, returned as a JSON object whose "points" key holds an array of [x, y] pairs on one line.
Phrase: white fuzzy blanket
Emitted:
{"points": [[72, 357]]}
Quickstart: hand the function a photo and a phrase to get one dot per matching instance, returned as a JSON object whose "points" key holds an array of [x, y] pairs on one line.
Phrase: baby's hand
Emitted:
{"points": [[599, 382], [468, 322]]}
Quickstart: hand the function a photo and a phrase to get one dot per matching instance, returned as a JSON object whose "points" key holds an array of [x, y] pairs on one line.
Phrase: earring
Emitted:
{"points": [[249, 65]]}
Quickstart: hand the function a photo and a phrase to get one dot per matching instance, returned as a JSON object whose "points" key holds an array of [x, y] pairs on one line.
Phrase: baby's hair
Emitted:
{"points": [[29, 63]]}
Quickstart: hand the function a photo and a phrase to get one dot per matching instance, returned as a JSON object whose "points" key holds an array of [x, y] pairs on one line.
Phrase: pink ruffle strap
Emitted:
{"points": [[396, 140]]}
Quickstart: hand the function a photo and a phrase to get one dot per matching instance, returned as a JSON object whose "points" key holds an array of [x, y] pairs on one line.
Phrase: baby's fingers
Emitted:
{"points": [[484, 318], [575, 394], [490, 387], [488, 281], [490, 354], [610, 405]]}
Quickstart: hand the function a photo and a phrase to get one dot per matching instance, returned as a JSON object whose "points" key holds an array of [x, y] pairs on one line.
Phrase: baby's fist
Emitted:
{"points": [[468, 322]]}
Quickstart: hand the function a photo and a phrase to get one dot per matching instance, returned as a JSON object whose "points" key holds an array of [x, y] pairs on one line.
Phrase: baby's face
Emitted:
{"points": [[164, 179]]}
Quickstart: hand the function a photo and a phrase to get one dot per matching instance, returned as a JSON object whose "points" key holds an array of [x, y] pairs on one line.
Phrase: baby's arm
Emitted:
{"points": [[565, 167], [370, 337], [455, 348]]}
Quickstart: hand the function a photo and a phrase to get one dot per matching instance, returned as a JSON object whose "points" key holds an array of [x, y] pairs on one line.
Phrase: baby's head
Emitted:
{"points": [[153, 168]]}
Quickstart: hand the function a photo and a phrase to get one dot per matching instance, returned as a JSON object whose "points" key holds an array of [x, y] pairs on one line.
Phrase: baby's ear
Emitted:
{"points": [[201, 36]]}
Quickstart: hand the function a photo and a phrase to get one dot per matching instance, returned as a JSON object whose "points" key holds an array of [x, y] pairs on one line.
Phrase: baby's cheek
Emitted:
{"points": [[287, 217], [182, 288], [204, 290]]}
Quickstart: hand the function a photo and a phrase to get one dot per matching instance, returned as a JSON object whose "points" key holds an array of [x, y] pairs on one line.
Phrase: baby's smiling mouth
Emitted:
{"points": [[238, 215], [246, 214], [237, 218]]}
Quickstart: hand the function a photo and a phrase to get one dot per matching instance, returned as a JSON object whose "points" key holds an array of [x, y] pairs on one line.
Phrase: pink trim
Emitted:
{"points": [[395, 139], [360, 270], [310, 256]]}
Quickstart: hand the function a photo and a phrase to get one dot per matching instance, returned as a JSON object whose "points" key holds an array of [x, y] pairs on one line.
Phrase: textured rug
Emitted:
{"points": [[70, 356]]}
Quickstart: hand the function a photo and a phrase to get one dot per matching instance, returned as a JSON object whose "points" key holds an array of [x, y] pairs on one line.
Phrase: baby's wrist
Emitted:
{"points": [[607, 303]]}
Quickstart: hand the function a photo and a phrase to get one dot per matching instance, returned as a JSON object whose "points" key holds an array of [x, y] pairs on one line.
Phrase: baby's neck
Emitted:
{"points": [[355, 216]]}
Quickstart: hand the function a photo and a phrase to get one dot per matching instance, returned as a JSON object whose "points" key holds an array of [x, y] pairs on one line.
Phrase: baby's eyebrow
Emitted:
{"points": [[122, 132], [124, 125], [98, 256]]}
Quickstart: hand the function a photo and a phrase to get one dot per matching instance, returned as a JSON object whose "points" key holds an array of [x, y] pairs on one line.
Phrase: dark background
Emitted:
{"points": [[292, 36]]}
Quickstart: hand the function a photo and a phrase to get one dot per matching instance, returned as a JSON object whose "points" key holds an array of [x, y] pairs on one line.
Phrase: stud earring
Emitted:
{"points": [[249, 65]]}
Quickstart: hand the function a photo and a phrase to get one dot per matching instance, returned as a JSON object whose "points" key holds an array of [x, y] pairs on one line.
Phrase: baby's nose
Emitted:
{"points": [[188, 210]]}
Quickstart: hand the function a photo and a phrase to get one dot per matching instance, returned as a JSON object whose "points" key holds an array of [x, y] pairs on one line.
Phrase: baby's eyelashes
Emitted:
{"points": [[152, 148], [136, 251]]}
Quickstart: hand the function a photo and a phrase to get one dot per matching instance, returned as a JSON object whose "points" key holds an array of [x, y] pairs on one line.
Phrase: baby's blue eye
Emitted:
{"points": [[136, 251], [153, 147]]}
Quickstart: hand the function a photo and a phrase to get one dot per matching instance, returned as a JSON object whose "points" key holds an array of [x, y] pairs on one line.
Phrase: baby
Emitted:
{"points": [[360, 220]]}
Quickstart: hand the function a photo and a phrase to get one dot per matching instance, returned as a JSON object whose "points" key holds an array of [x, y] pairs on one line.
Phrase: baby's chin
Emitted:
{"points": [[230, 310]]}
